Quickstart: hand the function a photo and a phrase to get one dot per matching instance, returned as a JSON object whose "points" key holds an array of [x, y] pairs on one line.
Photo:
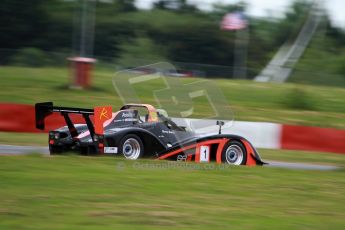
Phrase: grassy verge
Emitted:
{"points": [[9, 138], [104, 193], [318, 106], [303, 156]]}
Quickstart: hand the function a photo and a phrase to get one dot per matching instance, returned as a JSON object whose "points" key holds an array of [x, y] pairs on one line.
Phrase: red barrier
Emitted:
{"points": [[313, 139], [21, 118]]}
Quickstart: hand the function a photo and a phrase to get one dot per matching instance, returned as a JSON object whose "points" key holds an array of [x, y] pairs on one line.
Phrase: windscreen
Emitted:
{"points": [[191, 102]]}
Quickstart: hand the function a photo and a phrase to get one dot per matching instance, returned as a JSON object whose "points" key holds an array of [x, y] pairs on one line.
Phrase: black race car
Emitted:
{"points": [[148, 134]]}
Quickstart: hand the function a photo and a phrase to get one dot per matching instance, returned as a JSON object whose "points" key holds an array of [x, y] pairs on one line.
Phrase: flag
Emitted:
{"points": [[234, 21]]}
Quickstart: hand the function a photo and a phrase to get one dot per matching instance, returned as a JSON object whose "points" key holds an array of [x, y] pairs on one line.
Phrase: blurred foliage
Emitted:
{"points": [[323, 62], [175, 5], [31, 57], [173, 30], [22, 22], [142, 47], [295, 17], [299, 98]]}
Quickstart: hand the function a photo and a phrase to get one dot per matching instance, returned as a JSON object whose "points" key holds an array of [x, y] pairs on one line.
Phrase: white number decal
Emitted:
{"points": [[204, 153]]}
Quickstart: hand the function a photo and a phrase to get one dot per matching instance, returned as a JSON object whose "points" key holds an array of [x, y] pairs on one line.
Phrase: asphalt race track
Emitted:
{"points": [[21, 150], [304, 166]]}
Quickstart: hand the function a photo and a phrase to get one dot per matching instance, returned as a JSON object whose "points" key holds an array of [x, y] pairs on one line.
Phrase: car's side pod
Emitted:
{"points": [[253, 157]]}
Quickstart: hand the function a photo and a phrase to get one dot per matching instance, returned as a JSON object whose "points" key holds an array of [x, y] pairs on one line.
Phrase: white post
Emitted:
{"points": [[83, 27], [240, 53]]}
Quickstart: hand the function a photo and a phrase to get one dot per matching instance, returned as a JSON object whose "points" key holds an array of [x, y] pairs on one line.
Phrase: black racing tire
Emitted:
{"points": [[53, 149], [131, 146], [234, 153]]}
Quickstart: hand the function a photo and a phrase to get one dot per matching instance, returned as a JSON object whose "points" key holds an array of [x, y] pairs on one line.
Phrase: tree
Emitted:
{"points": [[175, 5], [21, 22]]}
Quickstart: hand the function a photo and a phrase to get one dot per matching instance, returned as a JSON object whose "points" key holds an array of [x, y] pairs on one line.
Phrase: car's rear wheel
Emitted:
{"points": [[131, 147], [234, 153]]}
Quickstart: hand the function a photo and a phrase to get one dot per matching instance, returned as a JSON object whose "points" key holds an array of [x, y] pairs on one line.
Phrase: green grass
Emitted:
{"points": [[321, 158], [12, 138], [250, 101], [109, 193]]}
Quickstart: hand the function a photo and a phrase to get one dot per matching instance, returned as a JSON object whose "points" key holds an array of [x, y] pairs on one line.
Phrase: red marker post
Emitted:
{"points": [[81, 69]]}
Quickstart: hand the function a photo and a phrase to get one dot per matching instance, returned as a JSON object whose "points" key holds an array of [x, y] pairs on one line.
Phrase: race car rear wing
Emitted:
{"points": [[101, 113]]}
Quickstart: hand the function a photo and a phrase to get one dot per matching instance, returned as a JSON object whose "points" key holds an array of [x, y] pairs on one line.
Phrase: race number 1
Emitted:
{"points": [[205, 153]]}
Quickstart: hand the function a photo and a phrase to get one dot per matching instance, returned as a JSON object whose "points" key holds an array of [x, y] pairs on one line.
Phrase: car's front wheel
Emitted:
{"points": [[234, 153], [131, 147]]}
